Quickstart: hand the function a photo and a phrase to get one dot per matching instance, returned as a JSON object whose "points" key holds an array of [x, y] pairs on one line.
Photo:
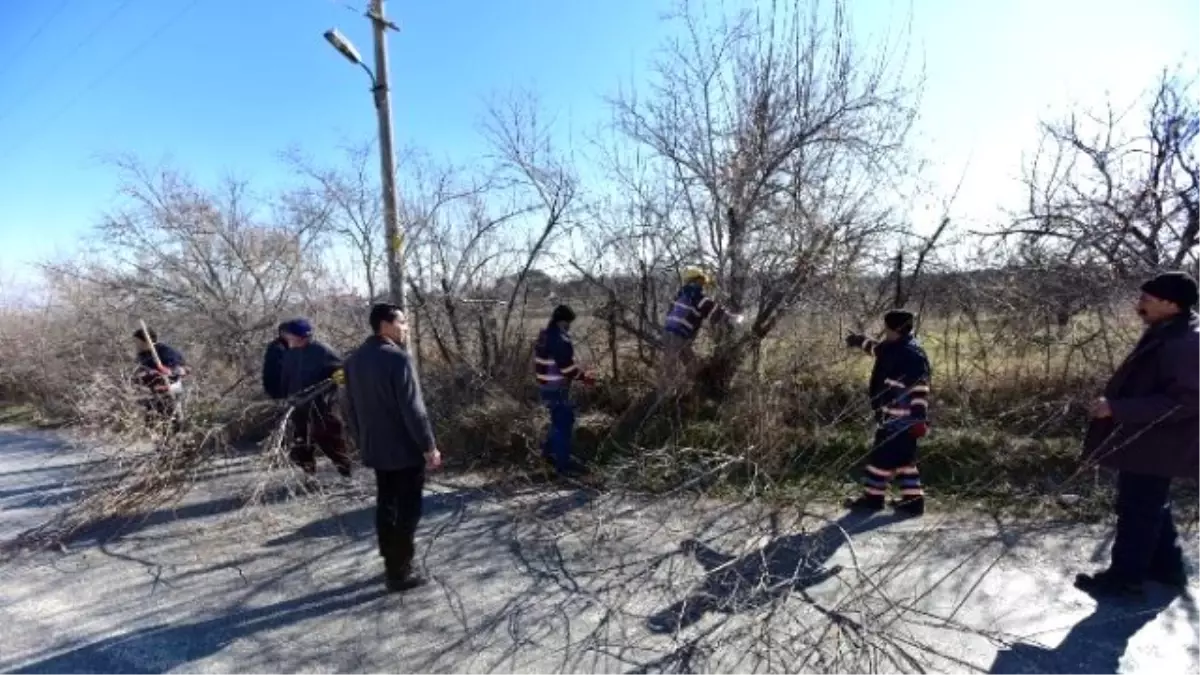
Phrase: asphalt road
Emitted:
{"points": [[551, 580]]}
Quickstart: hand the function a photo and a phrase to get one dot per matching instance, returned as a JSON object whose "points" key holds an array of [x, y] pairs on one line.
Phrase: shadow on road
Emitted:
{"points": [[1094, 645], [738, 584], [560, 506], [360, 523], [114, 527], [165, 647]]}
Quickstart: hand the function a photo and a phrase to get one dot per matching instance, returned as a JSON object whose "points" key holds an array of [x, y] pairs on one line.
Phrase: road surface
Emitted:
{"points": [[551, 580]]}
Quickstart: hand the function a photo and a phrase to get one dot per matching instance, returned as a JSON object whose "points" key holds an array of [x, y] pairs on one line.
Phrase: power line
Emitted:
{"points": [[79, 94], [42, 81], [33, 38]]}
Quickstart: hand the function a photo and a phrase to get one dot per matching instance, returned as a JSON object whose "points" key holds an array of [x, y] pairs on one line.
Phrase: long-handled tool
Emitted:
{"points": [[172, 387]]}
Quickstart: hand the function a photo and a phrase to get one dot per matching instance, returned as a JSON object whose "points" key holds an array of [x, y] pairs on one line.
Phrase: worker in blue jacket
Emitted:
{"points": [[684, 320], [899, 393], [555, 369]]}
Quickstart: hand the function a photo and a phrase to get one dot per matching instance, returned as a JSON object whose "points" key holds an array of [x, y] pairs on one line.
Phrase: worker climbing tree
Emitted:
{"points": [[683, 322]]}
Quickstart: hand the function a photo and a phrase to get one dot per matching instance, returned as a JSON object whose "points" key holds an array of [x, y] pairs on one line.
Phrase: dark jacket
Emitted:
{"points": [[170, 357], [899, 385], [383, 407], [1154, 401], [554, 359], [272, 369], [690, 310], [307, 366]]}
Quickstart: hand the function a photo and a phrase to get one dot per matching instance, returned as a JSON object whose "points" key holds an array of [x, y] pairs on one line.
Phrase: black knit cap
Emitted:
{"points": [[899, 320], [562, 313], [1176, 287]]}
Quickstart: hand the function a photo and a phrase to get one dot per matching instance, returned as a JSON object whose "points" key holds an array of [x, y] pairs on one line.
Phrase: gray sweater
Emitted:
{"points": [[384, 408]]}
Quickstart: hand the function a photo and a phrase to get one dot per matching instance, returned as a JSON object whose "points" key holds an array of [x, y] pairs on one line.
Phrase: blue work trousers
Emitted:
{"points": [[557, 447]]}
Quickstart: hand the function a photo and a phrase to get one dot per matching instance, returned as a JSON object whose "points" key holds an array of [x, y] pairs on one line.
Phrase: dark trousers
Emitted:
{"points": [[163, 410], [894, 455], [1146, 540], [398, 501], [317, 427], [562, 427]]}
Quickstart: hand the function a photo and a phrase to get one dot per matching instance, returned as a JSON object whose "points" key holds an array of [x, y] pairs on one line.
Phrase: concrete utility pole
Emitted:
{"points": [[387, 158]]}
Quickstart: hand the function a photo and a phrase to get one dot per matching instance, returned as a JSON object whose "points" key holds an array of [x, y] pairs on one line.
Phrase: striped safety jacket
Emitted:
{"points": [[899, 386], [554, 359], [691, 308]]}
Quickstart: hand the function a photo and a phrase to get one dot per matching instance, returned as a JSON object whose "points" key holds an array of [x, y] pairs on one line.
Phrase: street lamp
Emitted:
{"points": [[343, 45], [387, 161]]}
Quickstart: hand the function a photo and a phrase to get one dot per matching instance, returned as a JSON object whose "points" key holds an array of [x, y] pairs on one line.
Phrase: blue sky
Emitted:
{"points": [[225, 85]]}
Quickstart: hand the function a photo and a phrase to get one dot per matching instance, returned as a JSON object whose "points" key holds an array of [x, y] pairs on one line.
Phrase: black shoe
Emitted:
{"points": [[404, 583], [912, 507], [1108, 585], [869, 503]]}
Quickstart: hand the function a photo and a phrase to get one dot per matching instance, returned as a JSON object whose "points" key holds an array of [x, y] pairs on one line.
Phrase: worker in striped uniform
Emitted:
{"points": [[899, 391], [692, 306], [555, 369]]}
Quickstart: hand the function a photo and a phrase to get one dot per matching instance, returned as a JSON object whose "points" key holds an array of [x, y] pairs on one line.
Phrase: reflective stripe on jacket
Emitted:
{"points": [[690, 310], [899, 387], [554, 358]]}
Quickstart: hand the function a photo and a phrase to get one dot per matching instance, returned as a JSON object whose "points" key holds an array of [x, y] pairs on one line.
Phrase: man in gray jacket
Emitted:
{"points": [[387, 418]]}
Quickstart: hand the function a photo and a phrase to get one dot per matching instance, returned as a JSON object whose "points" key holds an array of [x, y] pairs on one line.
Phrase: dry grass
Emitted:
{"points": [[1008, 414]]}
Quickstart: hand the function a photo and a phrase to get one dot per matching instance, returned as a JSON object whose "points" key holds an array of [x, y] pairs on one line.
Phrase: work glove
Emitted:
{"points": [[855, 340], [339, 377], [918, 430], [737, 319]]}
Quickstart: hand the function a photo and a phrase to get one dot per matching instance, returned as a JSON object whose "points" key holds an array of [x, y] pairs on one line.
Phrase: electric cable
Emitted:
{"points": [[79, 94]]}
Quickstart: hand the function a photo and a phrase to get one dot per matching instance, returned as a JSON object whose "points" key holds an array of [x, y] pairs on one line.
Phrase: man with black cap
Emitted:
{"points": [[555, 369], [1145, 427], [308, 363], [899, 394]]}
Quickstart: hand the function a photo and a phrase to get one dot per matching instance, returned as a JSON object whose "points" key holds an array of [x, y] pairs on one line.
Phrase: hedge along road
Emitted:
{"points": [[550, 580]]}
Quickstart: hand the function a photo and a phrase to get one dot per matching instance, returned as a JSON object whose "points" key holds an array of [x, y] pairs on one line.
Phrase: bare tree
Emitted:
{"points": [[350, 192], [781, 138], [457, 249], [1122, 200], [174, 250], [541, 183]]}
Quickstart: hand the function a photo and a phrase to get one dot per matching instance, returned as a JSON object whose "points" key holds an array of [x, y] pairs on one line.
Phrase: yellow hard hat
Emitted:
{"points": [[695, 274]]}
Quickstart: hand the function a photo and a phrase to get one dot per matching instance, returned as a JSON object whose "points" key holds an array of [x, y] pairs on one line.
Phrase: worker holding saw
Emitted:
{"points": [[692, 306], [161, 369], [899, 392]]}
